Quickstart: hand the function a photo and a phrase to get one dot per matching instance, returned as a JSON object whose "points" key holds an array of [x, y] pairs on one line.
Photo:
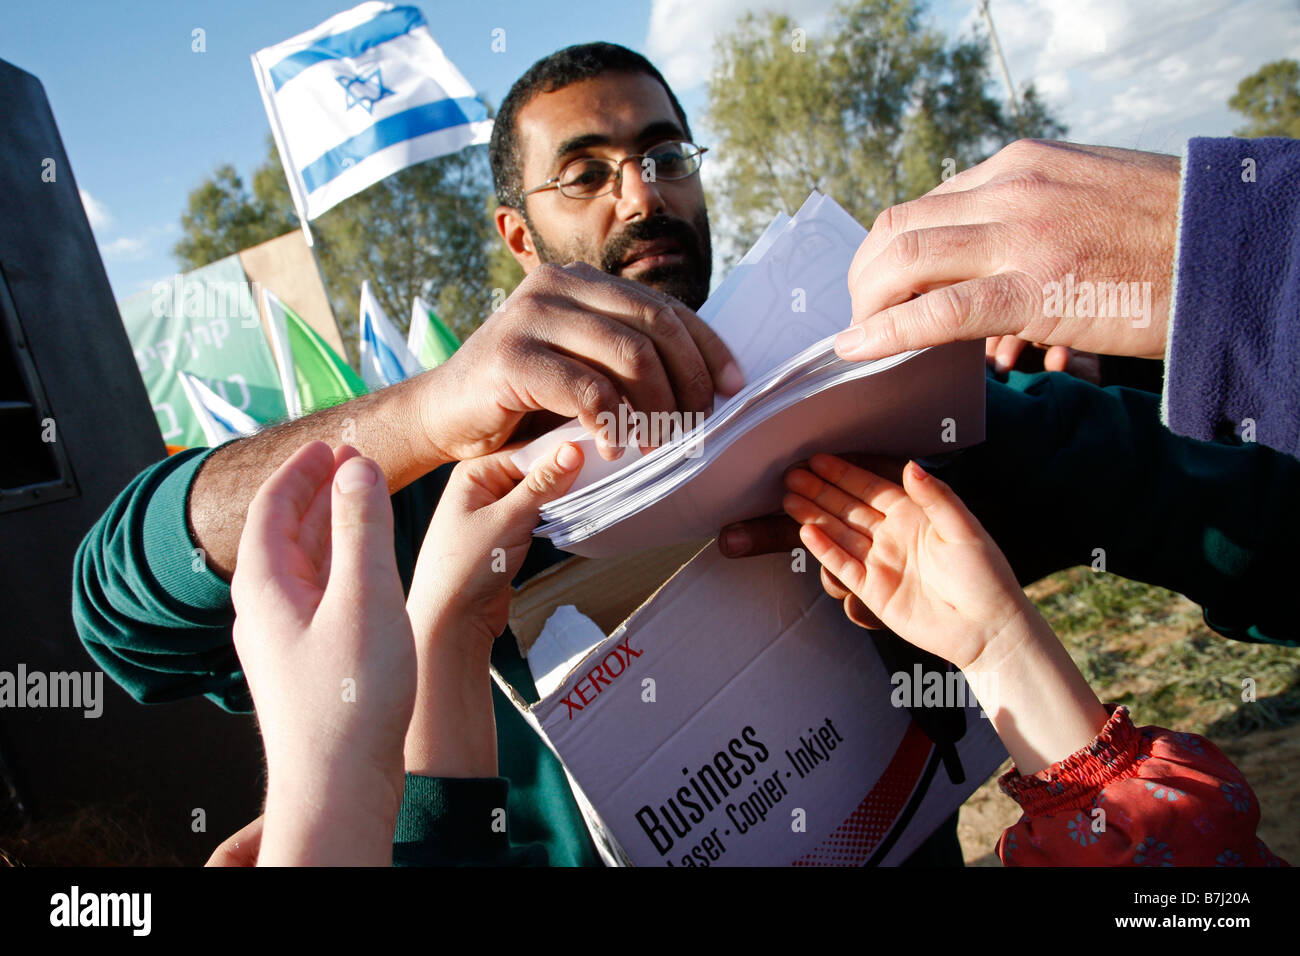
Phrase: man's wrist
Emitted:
{"points": [[421, 404]]}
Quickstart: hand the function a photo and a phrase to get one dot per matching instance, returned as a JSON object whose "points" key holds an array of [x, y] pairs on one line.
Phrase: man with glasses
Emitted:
{"points": [[561, 149], [602, 205]]}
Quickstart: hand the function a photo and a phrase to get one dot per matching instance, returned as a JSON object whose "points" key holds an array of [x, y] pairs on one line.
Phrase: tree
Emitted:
{"points": [[423, 231], [873, 111], [223, 218], [1270, 99]]}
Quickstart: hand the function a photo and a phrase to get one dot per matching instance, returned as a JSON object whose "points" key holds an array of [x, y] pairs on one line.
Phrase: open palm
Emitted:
{"points": [[914, 555]]}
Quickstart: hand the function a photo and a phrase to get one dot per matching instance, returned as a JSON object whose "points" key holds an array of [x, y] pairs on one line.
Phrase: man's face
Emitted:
{"points": [[652, 232]]}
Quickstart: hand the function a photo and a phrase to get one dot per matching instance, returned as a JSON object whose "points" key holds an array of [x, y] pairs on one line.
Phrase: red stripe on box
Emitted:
{"points": [[854, 840]]}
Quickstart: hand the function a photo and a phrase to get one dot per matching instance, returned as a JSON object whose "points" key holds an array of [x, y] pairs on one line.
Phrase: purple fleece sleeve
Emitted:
{"points": [[1234, 337]]}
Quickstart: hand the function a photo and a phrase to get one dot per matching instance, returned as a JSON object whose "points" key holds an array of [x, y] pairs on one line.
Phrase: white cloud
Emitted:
{"points": [[101, 222], [96, 211], [1054, 85], [1173, 68], [1233, 62], [1129, 106], [138, 247], [123, 247], [1144, 75]]}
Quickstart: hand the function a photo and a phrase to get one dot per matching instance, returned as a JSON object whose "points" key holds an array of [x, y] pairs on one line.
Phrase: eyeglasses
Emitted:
{"points": [[592, 176]]}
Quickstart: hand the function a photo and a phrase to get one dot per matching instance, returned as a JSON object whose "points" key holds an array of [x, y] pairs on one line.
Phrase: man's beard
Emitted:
{"points": [[687, 282]]}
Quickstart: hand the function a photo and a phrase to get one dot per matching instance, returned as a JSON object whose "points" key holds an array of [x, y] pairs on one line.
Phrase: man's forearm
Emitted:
{"points": [[384, 426]]}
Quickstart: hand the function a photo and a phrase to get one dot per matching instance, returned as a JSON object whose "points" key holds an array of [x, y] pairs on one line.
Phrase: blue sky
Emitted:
{"points": [[144, 118]]}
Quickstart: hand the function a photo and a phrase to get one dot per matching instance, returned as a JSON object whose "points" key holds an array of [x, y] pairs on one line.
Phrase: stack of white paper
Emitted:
{"points": [[779, 312]]}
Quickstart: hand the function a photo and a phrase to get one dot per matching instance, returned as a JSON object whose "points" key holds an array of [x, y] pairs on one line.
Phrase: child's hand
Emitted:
{"points": [[322, 633], [927, 569], [915, 555], [460, 602], [477, 541]]}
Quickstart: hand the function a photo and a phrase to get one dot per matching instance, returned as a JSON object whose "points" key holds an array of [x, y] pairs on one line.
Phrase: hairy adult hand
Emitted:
{"points": [[1054, 243], [574, 341]]}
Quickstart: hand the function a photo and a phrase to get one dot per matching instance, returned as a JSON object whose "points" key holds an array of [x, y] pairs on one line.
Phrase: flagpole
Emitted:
{"points": [[291, 176], [286, 159], [1002, 61]]}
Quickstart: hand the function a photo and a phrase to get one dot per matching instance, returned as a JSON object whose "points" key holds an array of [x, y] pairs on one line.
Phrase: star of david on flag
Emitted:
{"points": [[364, 91], [360, 97]]}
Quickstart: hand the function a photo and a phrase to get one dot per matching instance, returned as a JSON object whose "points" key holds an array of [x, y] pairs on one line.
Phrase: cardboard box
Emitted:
{"points": [[734, 716]]}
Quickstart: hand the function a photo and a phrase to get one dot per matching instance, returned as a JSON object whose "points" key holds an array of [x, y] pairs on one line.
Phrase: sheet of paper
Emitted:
{"points": [[795, 294]]}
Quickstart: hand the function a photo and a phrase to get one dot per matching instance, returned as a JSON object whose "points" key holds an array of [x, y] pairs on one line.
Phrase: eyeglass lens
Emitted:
{"points": [[590, 176]]}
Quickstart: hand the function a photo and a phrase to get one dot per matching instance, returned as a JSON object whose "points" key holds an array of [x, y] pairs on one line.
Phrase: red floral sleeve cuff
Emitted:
{"points": [[1075, 781]]}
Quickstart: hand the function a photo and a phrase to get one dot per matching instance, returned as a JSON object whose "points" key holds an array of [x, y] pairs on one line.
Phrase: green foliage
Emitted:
{"points": [[223, 217], [868, 112], [1270, 100], [422, 231]]}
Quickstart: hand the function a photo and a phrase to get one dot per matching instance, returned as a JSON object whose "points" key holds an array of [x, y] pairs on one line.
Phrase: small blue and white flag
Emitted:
{"points": [[277, 330], [219, 420], [385, 359], [360, 97]]}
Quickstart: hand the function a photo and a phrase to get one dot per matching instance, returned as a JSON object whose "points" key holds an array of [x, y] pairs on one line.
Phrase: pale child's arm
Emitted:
{"points": [[1039, 702], [323, 638]]}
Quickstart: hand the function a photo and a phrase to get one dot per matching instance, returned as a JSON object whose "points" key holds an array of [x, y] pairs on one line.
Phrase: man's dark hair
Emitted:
{"points": [[570, 65]]}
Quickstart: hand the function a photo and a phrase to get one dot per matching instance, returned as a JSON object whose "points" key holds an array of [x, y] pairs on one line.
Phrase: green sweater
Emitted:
{"points": [[1067, 468]]}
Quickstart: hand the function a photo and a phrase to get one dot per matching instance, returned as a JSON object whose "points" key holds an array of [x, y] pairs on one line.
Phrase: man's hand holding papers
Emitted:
{"points": [[573, 341]]}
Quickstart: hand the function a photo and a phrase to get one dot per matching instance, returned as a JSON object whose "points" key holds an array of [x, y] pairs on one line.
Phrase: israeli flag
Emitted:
{"points": [[385, 359], [360, 97]]}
